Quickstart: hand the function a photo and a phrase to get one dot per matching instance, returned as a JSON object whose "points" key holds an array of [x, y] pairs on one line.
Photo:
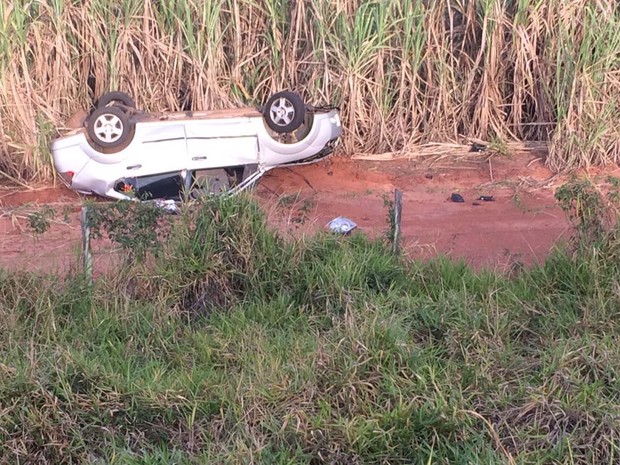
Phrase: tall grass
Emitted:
{"points": [[234, 346], [404, 72]]}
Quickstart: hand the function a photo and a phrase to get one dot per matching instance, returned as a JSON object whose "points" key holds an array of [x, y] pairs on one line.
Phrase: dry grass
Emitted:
{"points": [[405, 72]]}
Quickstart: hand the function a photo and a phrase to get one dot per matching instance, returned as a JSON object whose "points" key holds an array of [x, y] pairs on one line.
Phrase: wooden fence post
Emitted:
{"points": [[87, 258], [398, 208]]}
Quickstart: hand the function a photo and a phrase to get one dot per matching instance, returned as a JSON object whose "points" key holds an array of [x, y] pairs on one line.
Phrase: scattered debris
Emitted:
{"points": [[428, 176], [457, 198], [168, 205], [341, 225], [476, 204]]}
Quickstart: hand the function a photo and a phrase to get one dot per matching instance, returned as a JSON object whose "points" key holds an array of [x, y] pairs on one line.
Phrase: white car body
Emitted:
{"points": [[186, 142]]}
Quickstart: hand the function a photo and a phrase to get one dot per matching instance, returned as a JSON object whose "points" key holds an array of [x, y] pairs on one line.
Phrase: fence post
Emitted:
{"points": [[87, 258], [398, 208]]}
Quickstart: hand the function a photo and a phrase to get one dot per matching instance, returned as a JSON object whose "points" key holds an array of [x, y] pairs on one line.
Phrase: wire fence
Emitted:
{"points": [[31, 241], [64, 246], [61, 259]]}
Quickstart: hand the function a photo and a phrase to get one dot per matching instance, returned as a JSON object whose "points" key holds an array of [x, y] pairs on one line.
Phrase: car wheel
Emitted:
{"points": [[115, 98], [109, 128], [284, 112]]}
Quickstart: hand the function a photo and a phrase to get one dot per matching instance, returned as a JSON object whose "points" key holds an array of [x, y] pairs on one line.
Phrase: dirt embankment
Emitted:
{"points": [[518, 228]]}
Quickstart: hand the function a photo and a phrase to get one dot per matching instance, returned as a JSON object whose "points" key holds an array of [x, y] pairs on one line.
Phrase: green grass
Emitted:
{"points": [[235, 346]]}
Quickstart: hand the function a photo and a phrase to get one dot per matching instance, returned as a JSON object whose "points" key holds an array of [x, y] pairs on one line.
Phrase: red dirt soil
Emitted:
{"points": [[519, 227]]}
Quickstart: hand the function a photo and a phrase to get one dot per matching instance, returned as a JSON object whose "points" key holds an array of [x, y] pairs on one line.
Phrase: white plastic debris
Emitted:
{"points": [[341, 225], [169, 205]]}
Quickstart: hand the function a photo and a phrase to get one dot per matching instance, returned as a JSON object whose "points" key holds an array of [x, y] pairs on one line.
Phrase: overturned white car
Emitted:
{"points": [[124, 153]]}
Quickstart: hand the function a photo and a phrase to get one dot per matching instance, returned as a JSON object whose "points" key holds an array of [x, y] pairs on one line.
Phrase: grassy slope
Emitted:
{"points": [[234, 347]]}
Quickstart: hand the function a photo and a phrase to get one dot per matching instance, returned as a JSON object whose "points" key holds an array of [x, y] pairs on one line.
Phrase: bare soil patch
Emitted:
{"points": [[519, 227]]}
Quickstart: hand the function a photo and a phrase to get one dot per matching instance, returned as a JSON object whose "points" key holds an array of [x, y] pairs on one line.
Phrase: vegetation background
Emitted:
{"points": [[404, 71], [229, 344]]}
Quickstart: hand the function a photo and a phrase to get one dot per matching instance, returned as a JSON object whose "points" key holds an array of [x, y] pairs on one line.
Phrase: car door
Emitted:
{"points": [[161, 148], [220, 143]]}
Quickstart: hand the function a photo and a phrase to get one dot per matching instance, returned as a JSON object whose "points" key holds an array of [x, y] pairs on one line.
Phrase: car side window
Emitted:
{"points": [[160, 186]]}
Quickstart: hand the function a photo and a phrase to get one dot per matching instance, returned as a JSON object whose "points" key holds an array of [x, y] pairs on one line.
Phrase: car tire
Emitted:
{"points": [[115, 98], [109, 128], [284, 112]]}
